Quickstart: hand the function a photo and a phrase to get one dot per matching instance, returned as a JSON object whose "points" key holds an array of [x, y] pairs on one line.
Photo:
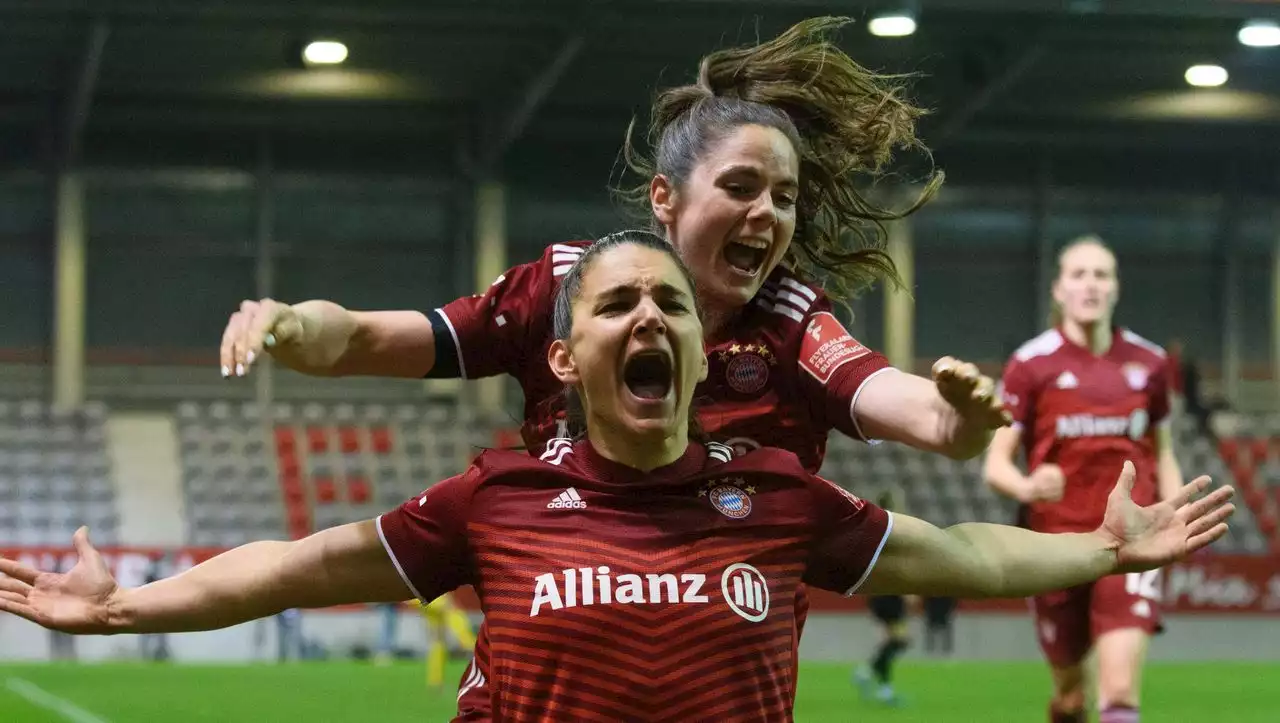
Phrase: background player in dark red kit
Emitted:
{"points": [[578, 595], [757, 186], [1086, 395]]}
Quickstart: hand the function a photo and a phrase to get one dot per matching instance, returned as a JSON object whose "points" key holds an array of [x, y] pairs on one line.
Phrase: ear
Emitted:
{"points": [[662, 199], [562, 363], [1056, 288]]}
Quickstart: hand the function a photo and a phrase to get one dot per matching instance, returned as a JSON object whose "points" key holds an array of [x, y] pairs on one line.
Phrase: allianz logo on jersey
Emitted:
{"points": [[1073, 426], [742, 587]]}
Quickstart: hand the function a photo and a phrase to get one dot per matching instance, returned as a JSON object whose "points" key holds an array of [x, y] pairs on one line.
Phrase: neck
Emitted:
{"points": [[1095, 337], [645, 452], [715, 319]]}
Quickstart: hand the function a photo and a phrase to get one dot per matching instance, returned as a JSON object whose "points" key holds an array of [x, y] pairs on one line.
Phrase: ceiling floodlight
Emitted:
{"points": [[324, 52], [1206, 76], [1259, 34], [892, 25]]}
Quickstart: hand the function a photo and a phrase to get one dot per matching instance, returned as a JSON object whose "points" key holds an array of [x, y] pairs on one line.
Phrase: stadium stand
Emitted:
{"points": [[55, 474]]}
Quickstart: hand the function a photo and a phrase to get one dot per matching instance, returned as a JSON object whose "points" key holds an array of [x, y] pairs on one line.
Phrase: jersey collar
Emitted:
{"points": [[606, 470]]}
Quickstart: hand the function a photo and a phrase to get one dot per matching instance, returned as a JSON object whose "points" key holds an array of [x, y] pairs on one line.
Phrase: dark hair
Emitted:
{"points": [[842, 119], [571, 287]]}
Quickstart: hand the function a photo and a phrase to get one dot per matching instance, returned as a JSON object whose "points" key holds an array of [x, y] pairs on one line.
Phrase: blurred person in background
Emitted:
{"points": [[875, 679], [939, 625], [756, 182], [1086, 395], [629, 350]]}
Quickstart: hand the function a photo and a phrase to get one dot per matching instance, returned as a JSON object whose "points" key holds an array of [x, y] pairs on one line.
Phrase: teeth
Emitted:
{"points": [[753, 243]]}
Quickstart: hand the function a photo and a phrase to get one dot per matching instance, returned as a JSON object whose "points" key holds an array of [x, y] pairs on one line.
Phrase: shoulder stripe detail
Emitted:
{"points": [[561, 270], [776, 293], [557, 449], [874, 558], [1136, 340], [475, 679], [565, 249], [1047, 343], [382, 537], [800, 288], [783, 309], [719, 451], [457, 345], [564, 258]]}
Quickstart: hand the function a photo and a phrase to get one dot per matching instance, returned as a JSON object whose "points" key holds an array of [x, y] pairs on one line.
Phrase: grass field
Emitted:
{"points": [[341, 692]]}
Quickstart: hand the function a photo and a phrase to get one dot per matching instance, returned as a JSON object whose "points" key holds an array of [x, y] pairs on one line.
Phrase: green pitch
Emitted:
{"points": [[340, 692]]}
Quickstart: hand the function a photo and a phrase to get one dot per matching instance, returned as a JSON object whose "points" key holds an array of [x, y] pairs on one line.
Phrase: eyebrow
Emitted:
{"points": [[663, 289], [789, 182]]}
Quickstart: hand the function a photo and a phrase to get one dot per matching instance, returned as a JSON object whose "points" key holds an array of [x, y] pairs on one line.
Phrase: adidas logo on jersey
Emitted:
{"points": [[567, 500], [1067, 380]]}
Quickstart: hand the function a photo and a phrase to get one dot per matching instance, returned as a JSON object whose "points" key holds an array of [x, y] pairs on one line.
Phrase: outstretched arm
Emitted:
{"points": [[1168, 471], [978, 560], [952, 414], [340, 565]]}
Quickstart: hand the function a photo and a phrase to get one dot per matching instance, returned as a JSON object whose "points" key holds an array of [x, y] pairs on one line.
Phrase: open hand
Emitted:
{"points": [[971, 393], [1146, 538], [258, 325], [75, 602]]}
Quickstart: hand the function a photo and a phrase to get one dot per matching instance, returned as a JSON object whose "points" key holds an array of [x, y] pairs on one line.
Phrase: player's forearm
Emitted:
{"points": [[1008, 561], [240, 585], [909, 409], [339, 342], [1003, 476]]}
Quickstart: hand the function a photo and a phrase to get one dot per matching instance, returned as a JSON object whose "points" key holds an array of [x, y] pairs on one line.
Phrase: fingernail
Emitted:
{"points": [[239, 370], [270, 341], [249, 358], [225, 372]]}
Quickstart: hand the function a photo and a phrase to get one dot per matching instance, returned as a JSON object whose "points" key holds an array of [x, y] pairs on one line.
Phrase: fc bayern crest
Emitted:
{"points": [[1136, 375], [729, 498], [747, 370]]}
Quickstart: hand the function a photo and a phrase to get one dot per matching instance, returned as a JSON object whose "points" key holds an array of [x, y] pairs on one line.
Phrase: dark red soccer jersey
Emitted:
{"points": [[613, 594], [1088, 414], [788, 373]]}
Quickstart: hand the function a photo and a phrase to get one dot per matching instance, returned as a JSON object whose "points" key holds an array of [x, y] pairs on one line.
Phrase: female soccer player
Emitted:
{"points": [[1085, 396], [680, 556], [756, 184]]}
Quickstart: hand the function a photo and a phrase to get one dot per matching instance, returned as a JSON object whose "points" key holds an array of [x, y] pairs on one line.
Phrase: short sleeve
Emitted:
{"points": [[492, 333], [426, 537], [1159, 389], [850, 534], [834, 369], [1017, 392]]}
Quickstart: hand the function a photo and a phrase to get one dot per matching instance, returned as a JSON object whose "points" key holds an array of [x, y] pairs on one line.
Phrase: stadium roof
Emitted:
{"points": [[489, 75]]}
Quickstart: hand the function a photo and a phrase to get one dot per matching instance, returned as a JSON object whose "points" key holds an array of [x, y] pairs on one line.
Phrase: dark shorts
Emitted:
{"points": [[938, 610], [888, 609], [1069, 621]]}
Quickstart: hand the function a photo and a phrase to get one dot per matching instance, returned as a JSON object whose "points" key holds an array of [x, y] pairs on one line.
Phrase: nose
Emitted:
{"points": [[649, 319], [763, 210]]}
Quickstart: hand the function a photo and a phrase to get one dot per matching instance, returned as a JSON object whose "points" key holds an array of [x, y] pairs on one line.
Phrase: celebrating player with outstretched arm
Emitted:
{"points": [[1086, 396], [679, 555], [756, 182]]}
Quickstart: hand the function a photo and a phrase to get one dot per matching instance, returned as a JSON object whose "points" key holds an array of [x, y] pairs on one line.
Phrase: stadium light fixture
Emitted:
{"points": [[1206, 76], [1259, 34], [324, 52], [892, 25]]}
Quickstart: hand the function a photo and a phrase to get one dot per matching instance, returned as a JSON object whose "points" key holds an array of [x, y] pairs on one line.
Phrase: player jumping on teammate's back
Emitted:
{"points": [[724, 545], [1085, 396]]}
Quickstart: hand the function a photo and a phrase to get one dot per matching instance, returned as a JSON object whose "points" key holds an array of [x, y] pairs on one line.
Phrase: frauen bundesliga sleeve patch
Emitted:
{"points": [[827, 346]]}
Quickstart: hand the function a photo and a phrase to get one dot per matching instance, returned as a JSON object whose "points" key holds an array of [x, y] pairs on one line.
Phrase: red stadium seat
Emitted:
{"points": [[299, 523], [317, 439], [286, 441], [1254, 498], [358, 490], [1267, 524], [1258, 450], [1230, 451], [289, 467], [381, 438], [294, 496], [349, 439], [507, 439], [1243, 475], [326, 491]]}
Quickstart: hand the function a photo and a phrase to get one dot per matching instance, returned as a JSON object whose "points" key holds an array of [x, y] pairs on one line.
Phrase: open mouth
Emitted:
{"points": [[648, 375], [746, 256]]}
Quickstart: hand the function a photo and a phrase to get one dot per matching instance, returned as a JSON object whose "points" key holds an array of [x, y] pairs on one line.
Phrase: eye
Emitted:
{"points": [[674, 307], [613, 308], [785, 200]]}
